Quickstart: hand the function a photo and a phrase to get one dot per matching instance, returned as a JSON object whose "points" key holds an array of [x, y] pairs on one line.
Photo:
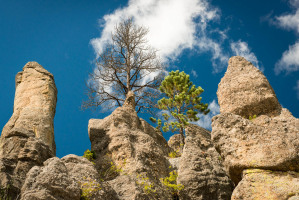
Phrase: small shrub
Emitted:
{"points": [[252, 117], [148, 188], [111, 171], [170, 183], [89, 188], [90, 155]]}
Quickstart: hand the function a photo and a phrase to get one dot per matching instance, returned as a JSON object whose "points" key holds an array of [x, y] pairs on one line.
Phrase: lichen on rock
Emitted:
{"points": [[267, 185]]}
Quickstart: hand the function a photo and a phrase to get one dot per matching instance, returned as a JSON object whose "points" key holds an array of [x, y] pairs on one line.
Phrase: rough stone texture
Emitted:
{"points": [[267, 185], [34, 108], [174, 142], [133, 146], [251, 148], [28, 137], [245, 91], [51, 181], [174, 163], [83, 172], [61, 179], [264, 143], [201, 170]]}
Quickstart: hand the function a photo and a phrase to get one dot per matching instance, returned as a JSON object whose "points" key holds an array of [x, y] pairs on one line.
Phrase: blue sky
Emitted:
{"points": [[196, 36]]}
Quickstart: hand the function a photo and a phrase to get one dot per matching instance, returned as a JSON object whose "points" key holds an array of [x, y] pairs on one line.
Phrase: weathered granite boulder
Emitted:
{"points": [[245, 91], [70, 177], [263, 143], [130, 153], [52, 181], [267, 185], [174, 142], [28, 137], [201, 170]]}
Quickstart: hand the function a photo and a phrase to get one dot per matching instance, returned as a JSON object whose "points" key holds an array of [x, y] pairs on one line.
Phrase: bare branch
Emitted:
{"points": [[126, 64]]}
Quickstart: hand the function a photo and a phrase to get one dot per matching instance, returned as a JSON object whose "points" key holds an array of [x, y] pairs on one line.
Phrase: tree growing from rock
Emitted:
{"points": [[126, 64], [181, 104]]}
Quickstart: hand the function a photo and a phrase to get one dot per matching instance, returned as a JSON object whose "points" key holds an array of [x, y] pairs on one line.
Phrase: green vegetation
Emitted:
{"points": [[111, 170], [89, 188], [174, 154], [182, 102], [90, 155], [252, 117], [171, 183], [4, 192], [148, 188]]}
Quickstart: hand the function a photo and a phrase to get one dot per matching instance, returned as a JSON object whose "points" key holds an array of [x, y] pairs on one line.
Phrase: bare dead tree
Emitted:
{"points": [[128, 63]]}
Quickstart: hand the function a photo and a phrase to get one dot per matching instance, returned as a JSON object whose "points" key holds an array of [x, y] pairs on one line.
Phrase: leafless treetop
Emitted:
{"points": [[128, 63]]}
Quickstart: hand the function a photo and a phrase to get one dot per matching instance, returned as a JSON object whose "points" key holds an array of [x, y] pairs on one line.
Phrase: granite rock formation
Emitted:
{"points": [[266, 184], [245, 91], [27, 139], [133, 149], [201, 170], [254, 132], [65, 179], [263, 143]]}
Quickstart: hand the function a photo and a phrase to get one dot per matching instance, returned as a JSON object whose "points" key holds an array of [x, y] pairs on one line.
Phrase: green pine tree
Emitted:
{"points": [[182, 100]]}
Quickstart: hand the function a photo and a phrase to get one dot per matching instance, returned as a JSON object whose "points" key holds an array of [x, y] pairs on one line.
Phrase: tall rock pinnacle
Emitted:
{"points": [[34, 106], [27, 139]]}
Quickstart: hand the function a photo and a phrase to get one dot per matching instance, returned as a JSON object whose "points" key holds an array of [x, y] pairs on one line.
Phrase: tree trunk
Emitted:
{"points": [[182, 143]]}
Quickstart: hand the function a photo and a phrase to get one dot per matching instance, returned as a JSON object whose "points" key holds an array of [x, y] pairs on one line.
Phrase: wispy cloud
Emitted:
{"points": [[174, 25], [241, 48], [206, 120], [289, 61], [194, 73]]}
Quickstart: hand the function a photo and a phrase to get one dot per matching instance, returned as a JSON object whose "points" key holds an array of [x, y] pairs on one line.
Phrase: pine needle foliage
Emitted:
{"points": [[182, 103]]}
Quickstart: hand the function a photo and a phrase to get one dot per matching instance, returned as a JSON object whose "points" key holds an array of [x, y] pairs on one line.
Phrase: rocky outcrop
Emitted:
{"points": [[52, 181], [71, 177], [245, 91], [28, 137], [254, 132], [130, 153], [266, 184], [201, 170], [263, 143]]}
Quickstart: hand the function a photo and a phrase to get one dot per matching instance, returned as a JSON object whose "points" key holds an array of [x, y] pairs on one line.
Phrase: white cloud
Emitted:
{"points": [[289, 21], [194, 73], [241, 48], [289, 61], [174, 25], [206, 120]]}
